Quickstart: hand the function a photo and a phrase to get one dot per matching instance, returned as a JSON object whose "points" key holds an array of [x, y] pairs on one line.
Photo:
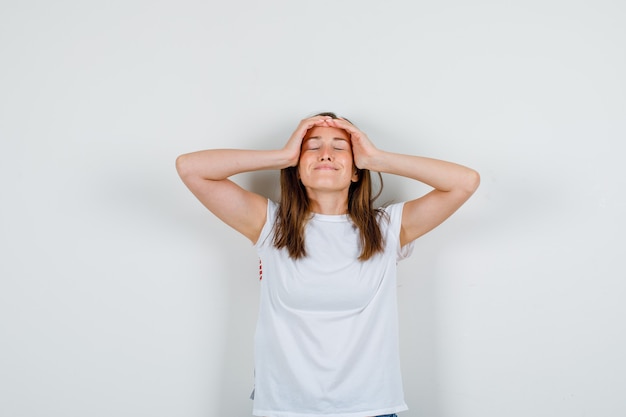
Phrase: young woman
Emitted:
{"points": [[326, 342]]}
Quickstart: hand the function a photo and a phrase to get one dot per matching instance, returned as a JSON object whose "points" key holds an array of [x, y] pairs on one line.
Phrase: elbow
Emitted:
{"points": [[471, 181], [182, 165]]}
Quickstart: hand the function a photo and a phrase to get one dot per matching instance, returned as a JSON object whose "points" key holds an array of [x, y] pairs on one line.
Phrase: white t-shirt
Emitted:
{"points": [[326, 342]]}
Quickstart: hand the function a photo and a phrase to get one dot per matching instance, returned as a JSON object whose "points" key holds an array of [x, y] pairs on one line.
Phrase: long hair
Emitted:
{"points": [[293, 212]]}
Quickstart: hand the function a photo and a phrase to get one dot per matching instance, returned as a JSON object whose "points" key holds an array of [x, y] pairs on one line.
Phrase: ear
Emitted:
{"points": [[355, 175]]}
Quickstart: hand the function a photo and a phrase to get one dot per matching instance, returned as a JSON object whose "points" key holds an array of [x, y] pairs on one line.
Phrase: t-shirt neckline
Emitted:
{"points": [[330, 217]]}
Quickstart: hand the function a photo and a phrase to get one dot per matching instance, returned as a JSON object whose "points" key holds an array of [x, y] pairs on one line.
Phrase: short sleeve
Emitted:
{"points": [[265, 238], [392, 235]]}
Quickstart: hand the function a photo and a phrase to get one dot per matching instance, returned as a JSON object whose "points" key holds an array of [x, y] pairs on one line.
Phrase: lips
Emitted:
{"points": [[325, 168]]}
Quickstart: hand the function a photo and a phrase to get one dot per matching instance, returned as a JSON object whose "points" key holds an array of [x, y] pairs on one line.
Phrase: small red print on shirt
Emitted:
{"points": [[260, 270]]}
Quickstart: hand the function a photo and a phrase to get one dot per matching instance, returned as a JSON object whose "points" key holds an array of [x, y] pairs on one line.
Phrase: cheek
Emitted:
{"points": [[299, 170], [347, 158], [306, 158]]}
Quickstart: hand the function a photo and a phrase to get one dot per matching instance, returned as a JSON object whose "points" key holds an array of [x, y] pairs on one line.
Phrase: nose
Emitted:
{"points": [[326, 154]]}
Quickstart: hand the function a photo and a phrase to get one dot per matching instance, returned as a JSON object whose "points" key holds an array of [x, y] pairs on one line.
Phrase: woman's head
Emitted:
{"points": [[294, 209], [294, 180], [326, 163]]}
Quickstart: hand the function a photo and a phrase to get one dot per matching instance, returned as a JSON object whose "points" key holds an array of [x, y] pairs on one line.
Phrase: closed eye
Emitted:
{"points": [[340, 144]]}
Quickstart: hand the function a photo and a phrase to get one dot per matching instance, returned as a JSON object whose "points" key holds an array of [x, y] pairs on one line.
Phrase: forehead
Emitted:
{"points": [[325, 132]]}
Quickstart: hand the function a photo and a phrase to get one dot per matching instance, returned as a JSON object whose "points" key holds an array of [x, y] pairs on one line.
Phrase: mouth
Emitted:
{"points": [[325, 168]]}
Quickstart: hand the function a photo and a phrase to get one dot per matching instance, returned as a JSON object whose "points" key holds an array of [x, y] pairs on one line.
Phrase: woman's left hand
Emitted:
{"points": [[363, 149]]}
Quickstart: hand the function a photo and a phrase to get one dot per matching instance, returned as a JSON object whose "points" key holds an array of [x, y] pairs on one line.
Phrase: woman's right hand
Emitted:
{"points": [[294, 144]]}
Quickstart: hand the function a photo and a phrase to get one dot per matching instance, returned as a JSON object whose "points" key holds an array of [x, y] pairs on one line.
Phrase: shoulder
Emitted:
{"points": [[391, 215], [268, 228], [391, 226], [272, 208]]}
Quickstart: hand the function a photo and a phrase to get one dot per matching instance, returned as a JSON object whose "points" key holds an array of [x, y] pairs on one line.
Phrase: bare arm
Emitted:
{"points": [[206, 174], [452, 184]]}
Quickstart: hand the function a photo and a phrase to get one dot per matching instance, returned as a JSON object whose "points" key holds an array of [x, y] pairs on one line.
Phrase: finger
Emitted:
{"points": [[310, 122], [345, 125], [322, 120]]}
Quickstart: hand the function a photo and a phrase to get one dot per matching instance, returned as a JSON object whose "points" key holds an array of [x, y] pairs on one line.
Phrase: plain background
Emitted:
{"points": [[120, 295]]}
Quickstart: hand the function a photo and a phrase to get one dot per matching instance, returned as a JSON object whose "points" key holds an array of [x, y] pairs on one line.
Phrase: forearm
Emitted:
{"points": [[219, 164], [441, 175]]}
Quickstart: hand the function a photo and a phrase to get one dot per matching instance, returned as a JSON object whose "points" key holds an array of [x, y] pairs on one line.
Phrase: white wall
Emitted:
{"points": [[121, 296]]}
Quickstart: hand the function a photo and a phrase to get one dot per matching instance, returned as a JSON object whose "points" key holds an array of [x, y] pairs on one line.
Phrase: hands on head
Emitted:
{"points": [[362, 148]]}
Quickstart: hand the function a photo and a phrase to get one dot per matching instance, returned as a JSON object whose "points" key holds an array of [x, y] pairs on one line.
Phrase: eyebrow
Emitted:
{"points": [[320, 138]]}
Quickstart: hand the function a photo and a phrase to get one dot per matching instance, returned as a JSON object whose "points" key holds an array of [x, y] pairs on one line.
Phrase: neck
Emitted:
{"points": [[328, 203]]}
